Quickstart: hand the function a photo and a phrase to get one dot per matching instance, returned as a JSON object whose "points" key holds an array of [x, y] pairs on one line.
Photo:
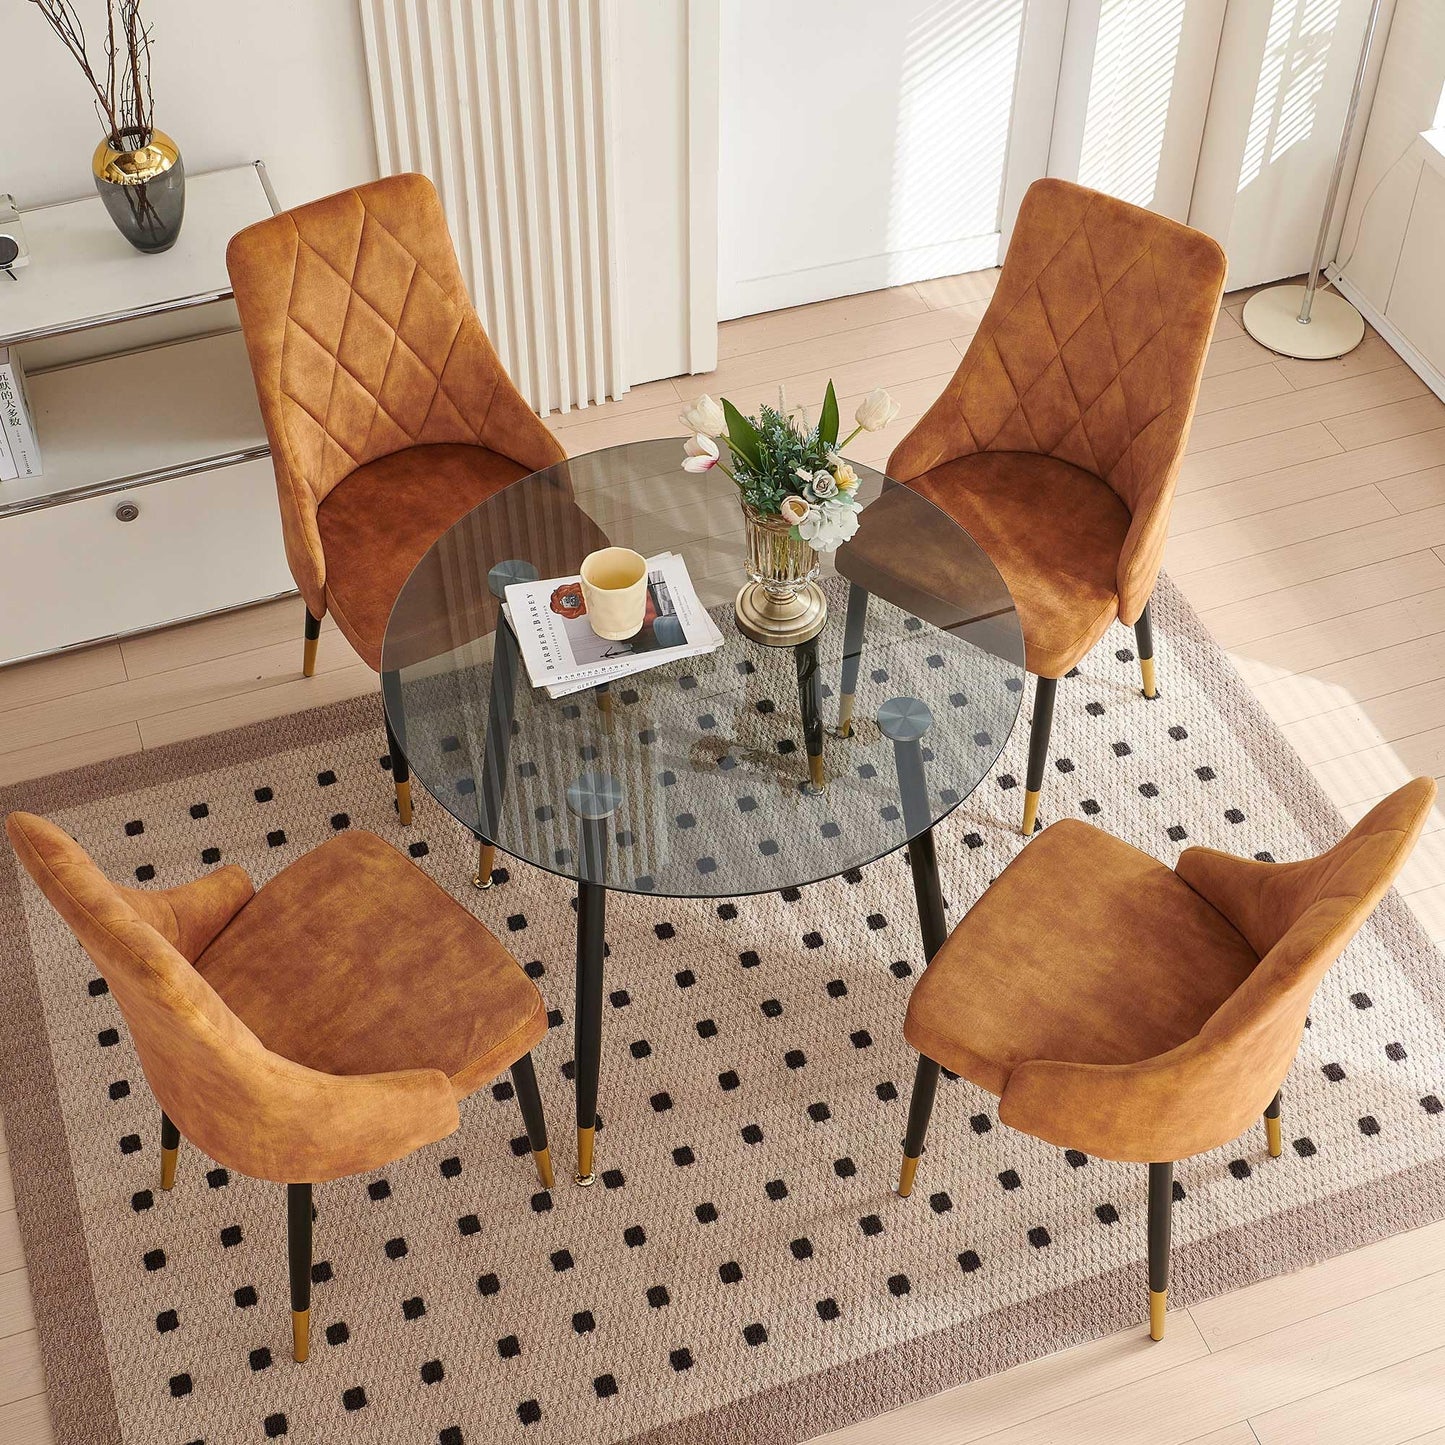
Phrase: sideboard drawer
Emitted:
{"points": [[132, 560]]}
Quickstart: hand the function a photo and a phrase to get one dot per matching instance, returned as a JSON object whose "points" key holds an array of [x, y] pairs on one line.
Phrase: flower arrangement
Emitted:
{"points": [[783, 465]]}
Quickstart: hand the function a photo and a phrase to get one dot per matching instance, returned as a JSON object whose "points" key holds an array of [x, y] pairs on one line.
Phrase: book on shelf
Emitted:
{"points": [[562, 653], [19, 452]]}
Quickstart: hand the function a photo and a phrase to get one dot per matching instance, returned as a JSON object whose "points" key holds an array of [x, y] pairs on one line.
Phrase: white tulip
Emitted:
{"points": [[699, 454], [705, 417], [876, 410]]}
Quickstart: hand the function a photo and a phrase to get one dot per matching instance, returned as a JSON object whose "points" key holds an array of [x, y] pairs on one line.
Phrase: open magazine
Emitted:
{"points": [[564, 655]]}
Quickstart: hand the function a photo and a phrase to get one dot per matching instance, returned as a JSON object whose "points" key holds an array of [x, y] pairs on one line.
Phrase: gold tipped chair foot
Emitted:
{"points": [[845, 717], [1276, 1137], [168, 1167], [1146, 672], [1158, 1304], [906, 1176], [1031, 812], [308, 657], [300, 1335], [542, 1158], [486, 857], [403, 802], [584, 1177]]}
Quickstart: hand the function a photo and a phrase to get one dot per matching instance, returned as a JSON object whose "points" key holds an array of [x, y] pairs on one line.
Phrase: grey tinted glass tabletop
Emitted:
{"points": [[691, 779]]}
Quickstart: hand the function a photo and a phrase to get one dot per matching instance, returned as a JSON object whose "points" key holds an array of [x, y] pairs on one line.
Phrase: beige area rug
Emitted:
{"points": [[742, 1271]]}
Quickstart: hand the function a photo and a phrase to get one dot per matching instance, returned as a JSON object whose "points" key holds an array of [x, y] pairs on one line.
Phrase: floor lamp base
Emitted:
{"points": [[1334, 327]]}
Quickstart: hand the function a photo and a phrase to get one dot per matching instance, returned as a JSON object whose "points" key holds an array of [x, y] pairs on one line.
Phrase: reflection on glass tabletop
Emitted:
{"points": [[707, 753]]}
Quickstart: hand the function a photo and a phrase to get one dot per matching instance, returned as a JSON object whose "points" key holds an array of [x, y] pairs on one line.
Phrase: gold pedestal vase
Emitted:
{"points": [[781, 605]]}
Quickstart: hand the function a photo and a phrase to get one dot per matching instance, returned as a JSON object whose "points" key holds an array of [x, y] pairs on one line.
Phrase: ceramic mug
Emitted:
{"points": [[614, 586]]}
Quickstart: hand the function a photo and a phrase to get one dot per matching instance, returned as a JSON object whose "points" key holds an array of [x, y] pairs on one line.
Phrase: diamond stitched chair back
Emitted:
{"points": [[1057, 443], [325, 1026], [1142, 1013], [388, 411]]}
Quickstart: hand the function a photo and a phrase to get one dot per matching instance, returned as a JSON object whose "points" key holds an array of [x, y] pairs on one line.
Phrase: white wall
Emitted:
{"points": [[282, 80], [1409, 98], [1281, 88], [861, 145]]}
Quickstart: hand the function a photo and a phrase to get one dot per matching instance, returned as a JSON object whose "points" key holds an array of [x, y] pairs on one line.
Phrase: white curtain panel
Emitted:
{"points": [[506, 105]]}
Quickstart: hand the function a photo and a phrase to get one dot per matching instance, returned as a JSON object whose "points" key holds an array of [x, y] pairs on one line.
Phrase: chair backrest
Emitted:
{"points": [[363, 341], [1299, 917], [244, 1105], [1091, 350]]}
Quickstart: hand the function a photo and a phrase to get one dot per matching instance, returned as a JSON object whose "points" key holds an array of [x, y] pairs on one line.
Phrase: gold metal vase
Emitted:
{"points": [[781, 605], [142, 180]]}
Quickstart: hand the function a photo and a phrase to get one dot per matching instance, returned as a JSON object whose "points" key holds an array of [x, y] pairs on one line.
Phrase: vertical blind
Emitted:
{"points": [[506, 106]]}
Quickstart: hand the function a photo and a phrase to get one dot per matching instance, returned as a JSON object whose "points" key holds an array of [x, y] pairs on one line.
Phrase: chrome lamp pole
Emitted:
{"points": [[1297, 320]]}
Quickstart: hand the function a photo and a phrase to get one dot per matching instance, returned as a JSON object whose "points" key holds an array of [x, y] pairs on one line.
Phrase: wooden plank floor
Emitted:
{"points": [[1309, 532]]}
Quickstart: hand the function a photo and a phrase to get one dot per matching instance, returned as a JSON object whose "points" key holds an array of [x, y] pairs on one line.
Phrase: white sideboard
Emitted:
{"points": [[156, 502]]}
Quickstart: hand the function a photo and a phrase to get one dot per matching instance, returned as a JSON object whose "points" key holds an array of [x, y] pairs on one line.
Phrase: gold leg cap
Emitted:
{"points": [[308, 656], [845, 717], [584, 1177], [1031, 812], [168, 1167], [905, 1176], [543, 1160], [300, 1335], [816, 780], [604, 702], [1276, 1137], [486, 857], [1146, 671], [1158, 1303], [403, 802]]}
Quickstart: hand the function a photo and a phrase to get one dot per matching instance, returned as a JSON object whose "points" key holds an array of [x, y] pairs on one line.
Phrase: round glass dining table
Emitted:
{"points": [[748, 769]]}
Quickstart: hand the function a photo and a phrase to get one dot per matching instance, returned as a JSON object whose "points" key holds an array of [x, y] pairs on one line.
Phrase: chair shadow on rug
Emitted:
{"points": [[325, 1026], [1138, 1012]]}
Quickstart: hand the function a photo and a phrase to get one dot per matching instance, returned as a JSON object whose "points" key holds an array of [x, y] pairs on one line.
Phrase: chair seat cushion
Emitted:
{"points": [[378, 524], [352, 961], [1084, 950], [1053, 530]]}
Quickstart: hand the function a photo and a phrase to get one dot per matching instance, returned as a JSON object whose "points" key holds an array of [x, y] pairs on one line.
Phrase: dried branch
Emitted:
{"points": [[124, 102]]}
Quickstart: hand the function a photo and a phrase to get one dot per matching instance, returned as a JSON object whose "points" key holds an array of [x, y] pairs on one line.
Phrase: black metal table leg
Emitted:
{"points": [[396, 743], [501, 704], [905, 720], [592, 799], [853, 628], [810, 699]]}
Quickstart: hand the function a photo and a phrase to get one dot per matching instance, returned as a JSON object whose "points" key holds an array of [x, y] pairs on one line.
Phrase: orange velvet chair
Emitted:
{"points": [[1057, 443], [324, 1026], [388, 412], [1138, 1012]]}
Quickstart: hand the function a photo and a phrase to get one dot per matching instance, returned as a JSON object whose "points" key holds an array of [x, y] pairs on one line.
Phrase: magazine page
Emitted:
{"points": [[560, 648]]}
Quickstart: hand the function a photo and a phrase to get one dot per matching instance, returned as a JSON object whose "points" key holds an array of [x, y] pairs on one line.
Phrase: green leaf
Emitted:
{"points": [[743, 436], [828, 420]]}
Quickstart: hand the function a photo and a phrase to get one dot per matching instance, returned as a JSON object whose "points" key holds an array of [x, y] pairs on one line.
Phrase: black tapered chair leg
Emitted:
{"points": [[1039, 730], [1144, 638], [396, 746], [170, 1144], [524, 1080], [298, 1249], [1161, 1221], [308, 648], [1272, 1128], [920, 1109]]}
